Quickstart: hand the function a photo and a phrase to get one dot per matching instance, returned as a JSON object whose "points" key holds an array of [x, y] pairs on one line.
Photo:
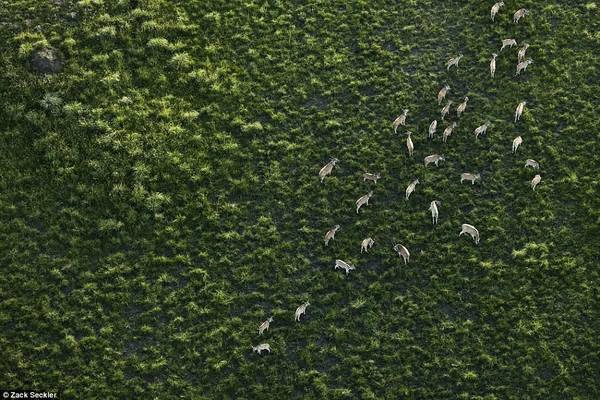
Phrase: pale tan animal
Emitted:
{"points": [[462, 107], [432, 128], [508, 43], [363, 200], [448, 131], [471, 230], [301, 310], [493, 65], [480, 130], [535, 181], [520, 14], [495, 9], [400, 120], [442, 93], [532, 163], [327, 168], [522, 51], [409, 144], [265, 326], [434, 158], [366, 244], [371, 177], [522, 66], [516, 143], [263, 346], [446, 109], [344, 265], [519, 110], [330, 235], [467, 176], [402, 252], [411, 188], [453, 62], [433, 207]]}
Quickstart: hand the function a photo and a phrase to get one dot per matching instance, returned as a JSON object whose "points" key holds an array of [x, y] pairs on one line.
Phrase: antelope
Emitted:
{"points": [[493, 64], [522, 66], [400, 120], [402, 252], [265, 326], [442, 93], [495, 9], [366, 244], [434, 158], [516, 143], [532, 163], [508, 42], [521, 53], [471, 230], [411, 188], [263, 346], [446, 109], [363, 200], [343, 265], [301, 310], [481, 129], [432, 128], [327, 168], [462, 106], [534, 182], [519, 110], [453, 62], [520, 14], [467, 176], [409, 144], [330, 235], [371, 177], [448, 131], [433, 207]]}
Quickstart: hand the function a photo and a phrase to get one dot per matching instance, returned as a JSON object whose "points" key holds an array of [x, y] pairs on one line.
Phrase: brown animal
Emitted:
{"points": [[535, 181], [400, 120], [265, 326], [301, 310], [411, 188], [516, 143], [446, 109], [402, 252], [363, 200], [462, 106], [327, 168], [448, 131], [330, 235], [366, 244], [521, 53], [442, 93], [495, 9], [522, 66], [371, 177], [467, 176], [453, 62], [434, 158], [508, 43], [520, 14], [480, 130]]}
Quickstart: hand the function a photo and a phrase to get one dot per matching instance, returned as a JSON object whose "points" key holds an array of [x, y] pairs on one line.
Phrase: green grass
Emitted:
{"points": [[159, 199]]}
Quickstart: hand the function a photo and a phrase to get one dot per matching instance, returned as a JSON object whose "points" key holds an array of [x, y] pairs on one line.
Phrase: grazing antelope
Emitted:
{"points": [[434, 158], [519, 110], [330, 235], [263, 346], [508, 43], [520, 14], [265, 326], [532, 163], [409, 144], [432, 128], [471, 230], [495, 9], [344, 265], [433, 207], [446, 109], [301, 310], [522, 66], [453, 62], [363, 200], [327, 168], [371, 177], [522, 51], [411, 188], [400, 120], [442, 93], [480, 130], [493, 64], [462, 106], [534, 182], [467, 176], [516, 143], [402, 252], [448, 131], [366, 244]]}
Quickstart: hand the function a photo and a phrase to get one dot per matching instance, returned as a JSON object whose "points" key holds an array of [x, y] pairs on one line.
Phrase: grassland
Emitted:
{"points": [[159, 199]]}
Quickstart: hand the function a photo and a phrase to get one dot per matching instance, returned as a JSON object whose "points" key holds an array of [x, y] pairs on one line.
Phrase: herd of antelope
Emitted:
{"points": [[401, 121]]}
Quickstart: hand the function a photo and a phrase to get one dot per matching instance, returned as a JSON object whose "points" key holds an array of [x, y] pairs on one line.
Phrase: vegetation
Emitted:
{"points": [[159, 199]]}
